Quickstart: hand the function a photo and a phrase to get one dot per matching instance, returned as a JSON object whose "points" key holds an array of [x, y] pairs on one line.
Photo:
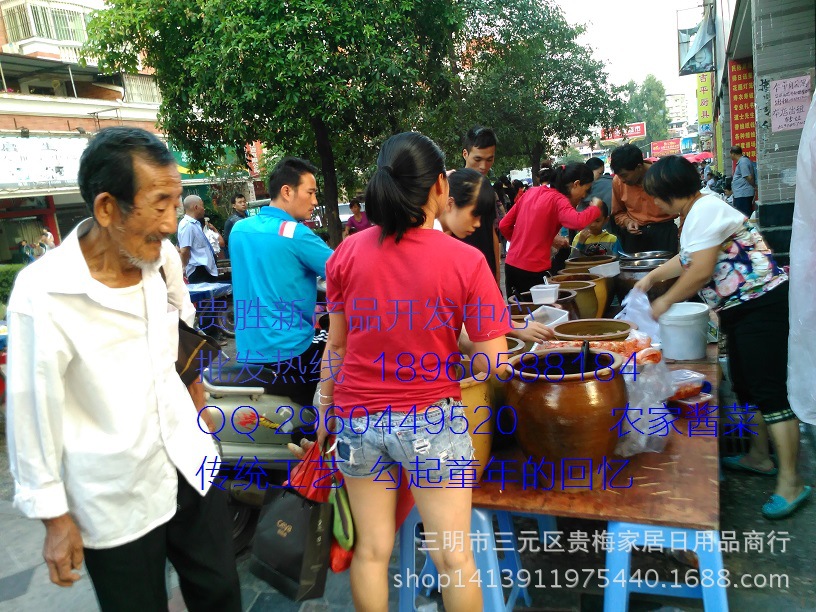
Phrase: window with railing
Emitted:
{"points": [[45, 22], [141, 88], [18, 25]]}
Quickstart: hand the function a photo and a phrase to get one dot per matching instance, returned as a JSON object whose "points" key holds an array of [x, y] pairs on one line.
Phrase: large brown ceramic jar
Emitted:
{"points": [[568, 419]]}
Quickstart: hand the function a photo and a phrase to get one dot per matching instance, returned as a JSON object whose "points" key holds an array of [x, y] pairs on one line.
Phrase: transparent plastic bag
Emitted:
{"points": [[636, 308], [647, 394], [686, 383]]}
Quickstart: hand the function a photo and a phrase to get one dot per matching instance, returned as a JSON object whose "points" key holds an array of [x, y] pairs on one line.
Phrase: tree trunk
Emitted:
{"points": [[324, 149], [535, 161]]}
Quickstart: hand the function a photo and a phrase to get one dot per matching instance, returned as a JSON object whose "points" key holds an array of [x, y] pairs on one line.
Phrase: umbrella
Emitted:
{"points": [[651, 159], [704, 155]]}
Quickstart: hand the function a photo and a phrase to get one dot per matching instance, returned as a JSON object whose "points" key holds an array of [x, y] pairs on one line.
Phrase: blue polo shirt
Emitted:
{"points": [[275, 264]]}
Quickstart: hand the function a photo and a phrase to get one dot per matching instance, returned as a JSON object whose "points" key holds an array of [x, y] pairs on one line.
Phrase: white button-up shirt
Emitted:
{"points": [[190, 234], [98, 419]]}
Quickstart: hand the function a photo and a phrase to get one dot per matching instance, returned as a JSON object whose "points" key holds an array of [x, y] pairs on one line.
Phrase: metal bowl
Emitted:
{"points": [[642, 264], [646, 255]]}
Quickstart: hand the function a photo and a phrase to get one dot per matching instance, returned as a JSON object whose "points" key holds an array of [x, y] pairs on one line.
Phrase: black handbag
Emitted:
{"points": [[292, 545], [195, 349]]}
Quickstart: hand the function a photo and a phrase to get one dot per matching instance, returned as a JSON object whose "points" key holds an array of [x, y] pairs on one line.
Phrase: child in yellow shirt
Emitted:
{"points": [[594, 240]]}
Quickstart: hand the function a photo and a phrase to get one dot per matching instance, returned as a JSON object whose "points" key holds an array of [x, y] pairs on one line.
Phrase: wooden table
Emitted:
{"points": [[677, 487], [673, 492]]}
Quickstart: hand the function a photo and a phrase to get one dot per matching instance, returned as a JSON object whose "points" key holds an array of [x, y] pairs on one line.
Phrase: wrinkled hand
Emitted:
{"points": [[63, 552], [533, 332], [632, 227], [561, 242]]}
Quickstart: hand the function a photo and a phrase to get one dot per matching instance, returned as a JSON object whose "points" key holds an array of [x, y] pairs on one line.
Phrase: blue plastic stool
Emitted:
{"points": [[487, 563], [618, 562], [510, 561]]}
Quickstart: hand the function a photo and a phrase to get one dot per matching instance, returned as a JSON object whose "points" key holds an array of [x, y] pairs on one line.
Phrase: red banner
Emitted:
{"points": [[633, 130], [663, 148], [254, 153], [743, 115]]}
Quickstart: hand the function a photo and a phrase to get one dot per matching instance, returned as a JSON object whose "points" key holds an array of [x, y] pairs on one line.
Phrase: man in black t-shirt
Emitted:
{"points": [[479, 153]]}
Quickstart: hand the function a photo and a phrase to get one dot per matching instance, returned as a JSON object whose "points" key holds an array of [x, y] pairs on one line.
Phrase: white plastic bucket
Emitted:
{"points": [[684, 331], [544, 294]]}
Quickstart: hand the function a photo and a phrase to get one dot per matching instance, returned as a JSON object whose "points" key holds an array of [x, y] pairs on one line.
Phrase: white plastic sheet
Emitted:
{"points": [[636, 308], [802, 358]]}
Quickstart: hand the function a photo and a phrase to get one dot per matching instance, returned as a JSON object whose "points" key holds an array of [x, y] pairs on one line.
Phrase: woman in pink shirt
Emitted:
{"points": [[389, 378], [532, 224]]}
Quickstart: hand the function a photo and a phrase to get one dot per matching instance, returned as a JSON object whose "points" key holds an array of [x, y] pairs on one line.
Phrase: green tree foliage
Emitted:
{"points": [[327, 76], [647, 102], [525, 74]]}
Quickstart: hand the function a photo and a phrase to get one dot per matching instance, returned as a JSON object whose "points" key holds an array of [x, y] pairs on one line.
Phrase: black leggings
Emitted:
{"points": [[521, 280], [757, 346]]}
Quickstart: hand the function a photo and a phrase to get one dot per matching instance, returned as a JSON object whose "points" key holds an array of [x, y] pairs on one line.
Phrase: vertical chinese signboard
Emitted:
{"points": [[743, 114], [705, 109]]}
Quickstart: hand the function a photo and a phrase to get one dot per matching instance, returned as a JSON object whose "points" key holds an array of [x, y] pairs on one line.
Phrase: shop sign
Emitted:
{"points": [[663, 148], [633, 130], [27, 163], [743, 117]]}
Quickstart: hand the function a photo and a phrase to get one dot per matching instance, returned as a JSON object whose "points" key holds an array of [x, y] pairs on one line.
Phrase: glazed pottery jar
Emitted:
{"points": [[585, 297], [567, 417], [594, 329], [588, 261], [602, 286]]}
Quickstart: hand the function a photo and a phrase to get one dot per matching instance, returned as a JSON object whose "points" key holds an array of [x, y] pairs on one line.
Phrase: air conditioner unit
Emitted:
{"points": [[11, 48]]}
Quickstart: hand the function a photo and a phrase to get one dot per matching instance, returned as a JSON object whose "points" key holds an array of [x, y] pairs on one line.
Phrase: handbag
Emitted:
{"points": [[292, 545], [195, 347]]}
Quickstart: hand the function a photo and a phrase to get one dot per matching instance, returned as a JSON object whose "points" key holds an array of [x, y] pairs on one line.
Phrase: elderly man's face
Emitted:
{"points": [[153, 216]]}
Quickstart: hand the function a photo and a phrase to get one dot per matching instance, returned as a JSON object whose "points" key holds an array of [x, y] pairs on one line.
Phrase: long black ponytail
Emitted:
{"points": [[564, 176], [407, 167]]}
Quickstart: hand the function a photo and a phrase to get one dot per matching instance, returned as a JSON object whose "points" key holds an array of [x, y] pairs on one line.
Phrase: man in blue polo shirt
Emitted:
{"points": [[275, 265]]}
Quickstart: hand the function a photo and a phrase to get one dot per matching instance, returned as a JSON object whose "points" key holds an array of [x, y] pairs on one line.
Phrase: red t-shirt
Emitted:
{"points": [[534, 221], [408, 301]]}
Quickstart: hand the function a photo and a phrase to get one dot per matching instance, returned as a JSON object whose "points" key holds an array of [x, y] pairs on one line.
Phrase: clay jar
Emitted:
{"points": [[585, 297], [477, 399], [602, 288], [566, 299], [588, 261], [566, 419]]}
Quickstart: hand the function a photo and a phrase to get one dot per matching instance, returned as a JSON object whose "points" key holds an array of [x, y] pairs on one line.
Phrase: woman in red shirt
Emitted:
{"points": [[532, 224], [389, 374]]}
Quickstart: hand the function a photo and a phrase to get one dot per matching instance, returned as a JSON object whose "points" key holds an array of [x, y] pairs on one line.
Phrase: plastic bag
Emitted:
{"points": [[686, 383], [312, 477], [647, 394], [636, 308]]}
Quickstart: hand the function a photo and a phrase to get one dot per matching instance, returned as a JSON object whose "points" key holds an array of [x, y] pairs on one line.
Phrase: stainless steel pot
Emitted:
{"points": [[632, 271], [646, 255]]}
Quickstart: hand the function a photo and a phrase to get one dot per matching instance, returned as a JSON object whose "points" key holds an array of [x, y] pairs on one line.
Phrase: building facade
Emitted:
{"points": [[49, 106], [766, 65]]}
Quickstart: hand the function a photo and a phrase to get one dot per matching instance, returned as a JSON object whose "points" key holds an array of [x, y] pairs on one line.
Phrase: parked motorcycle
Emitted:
{"points": [[252, 429], [253, 426]]}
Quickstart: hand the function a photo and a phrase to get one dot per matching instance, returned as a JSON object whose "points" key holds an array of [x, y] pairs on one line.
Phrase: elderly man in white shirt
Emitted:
{"points": [[103, 437]]}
